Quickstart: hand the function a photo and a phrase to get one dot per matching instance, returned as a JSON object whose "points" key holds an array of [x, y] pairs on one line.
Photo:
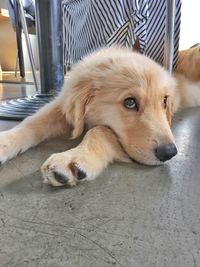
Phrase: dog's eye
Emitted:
{"points": [[130, 103], [165, 102]]}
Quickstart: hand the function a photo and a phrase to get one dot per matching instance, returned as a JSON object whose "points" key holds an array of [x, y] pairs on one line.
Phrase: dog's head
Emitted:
{"points": [[132, 95]]}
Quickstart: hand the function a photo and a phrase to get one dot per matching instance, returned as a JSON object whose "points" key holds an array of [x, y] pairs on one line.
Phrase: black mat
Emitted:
{"points": [[20, 108]]}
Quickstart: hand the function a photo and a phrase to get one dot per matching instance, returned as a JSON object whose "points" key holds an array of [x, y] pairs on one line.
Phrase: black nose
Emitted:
{"points": [[165, 152]]}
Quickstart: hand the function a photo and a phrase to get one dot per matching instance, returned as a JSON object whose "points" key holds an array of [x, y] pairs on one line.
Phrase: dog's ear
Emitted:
{"points": [[78, 98], [79, 113], [170, 110]]}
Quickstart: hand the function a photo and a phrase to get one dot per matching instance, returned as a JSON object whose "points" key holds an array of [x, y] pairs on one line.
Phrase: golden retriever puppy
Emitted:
{"points": [[126, 102]]}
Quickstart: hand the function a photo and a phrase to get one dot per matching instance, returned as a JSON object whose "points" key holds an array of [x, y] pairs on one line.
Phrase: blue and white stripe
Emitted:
{"points": [[90, 24]]}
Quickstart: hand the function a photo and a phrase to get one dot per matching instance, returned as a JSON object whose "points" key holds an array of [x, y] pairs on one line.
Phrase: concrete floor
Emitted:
{"points": [[131, 216]]}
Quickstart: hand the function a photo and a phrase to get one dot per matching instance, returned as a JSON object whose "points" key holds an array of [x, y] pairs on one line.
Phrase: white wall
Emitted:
{"points": [[190, 23]]}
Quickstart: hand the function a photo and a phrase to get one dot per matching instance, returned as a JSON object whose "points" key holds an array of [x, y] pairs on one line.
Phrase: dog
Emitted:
{"points": [[124, 100]]}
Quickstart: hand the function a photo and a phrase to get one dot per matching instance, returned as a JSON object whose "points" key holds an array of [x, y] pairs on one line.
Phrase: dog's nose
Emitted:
{"points": [[165, 152]]}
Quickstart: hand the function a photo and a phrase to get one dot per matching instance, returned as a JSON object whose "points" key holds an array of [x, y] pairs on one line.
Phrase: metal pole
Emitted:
{"points": [[28, 43], [170, 34], [18, 37], [50, 43]]}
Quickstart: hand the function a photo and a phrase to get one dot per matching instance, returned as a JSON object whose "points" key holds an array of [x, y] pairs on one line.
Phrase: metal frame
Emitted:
{"points": [[50, 44], [49, 26], [18, 31], [171, 4], [28, 43]]}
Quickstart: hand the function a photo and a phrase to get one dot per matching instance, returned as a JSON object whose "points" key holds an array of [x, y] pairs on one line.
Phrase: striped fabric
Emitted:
{"points": [[156, 29], [91, 24]]}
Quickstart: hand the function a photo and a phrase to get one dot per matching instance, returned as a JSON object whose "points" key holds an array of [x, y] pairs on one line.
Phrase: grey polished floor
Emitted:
{"points": [[11, 90], [131, 216]]}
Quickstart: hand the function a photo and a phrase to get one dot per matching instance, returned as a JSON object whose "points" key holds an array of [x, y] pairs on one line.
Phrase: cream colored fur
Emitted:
{"points": [[93, 99]]}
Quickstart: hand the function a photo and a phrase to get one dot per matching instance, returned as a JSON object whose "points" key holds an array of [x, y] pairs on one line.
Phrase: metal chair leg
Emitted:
{"points": [[28, 43], [18, 109], [16, 65], [49, 26], [19, 40], [170, 34]]}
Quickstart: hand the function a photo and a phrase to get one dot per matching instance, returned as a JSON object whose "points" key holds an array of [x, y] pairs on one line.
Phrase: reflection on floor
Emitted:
{"points": [[18, 87], [11, 90], [11, 76]]}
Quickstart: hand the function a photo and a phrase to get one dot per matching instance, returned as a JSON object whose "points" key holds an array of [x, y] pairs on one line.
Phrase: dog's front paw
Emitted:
{"points": [[63, 169]]}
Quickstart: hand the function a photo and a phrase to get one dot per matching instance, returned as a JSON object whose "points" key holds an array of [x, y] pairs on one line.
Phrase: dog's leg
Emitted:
{"points": [[98, 148], [47, 122]]}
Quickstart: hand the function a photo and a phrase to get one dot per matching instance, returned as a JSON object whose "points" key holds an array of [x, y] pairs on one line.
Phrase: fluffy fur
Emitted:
{"points": [[93, 98]]}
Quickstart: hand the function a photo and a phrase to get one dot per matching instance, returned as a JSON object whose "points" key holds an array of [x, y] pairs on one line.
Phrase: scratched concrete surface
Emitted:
{"points": [[131, 216]]}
